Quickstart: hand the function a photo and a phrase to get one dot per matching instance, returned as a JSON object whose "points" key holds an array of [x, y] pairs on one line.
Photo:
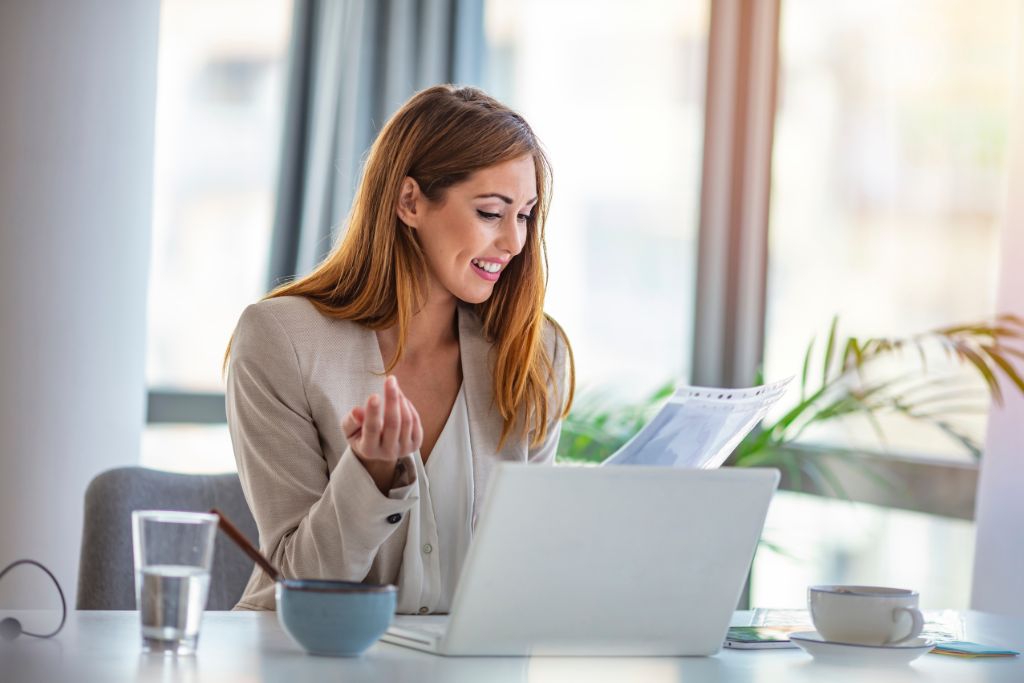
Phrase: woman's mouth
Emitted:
{"points": [[488, 270]]}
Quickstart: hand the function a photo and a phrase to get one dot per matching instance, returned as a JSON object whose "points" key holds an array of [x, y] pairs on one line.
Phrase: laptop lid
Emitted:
{"points": [[608, 560]]}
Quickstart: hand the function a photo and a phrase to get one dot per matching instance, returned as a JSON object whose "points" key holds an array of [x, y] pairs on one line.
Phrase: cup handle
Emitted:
{"points": [[916, 626]]}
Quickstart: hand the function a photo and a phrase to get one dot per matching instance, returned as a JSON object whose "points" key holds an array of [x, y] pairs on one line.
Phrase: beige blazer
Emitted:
{"points": [[293, 375]]}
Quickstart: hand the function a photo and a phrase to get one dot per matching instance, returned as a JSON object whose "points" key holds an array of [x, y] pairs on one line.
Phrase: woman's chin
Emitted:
{"points": [[476, 294], [475, 297]]}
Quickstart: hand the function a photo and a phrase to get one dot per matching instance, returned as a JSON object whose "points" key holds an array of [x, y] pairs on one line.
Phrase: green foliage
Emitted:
{"points": [[598, 426], [847, 378]]}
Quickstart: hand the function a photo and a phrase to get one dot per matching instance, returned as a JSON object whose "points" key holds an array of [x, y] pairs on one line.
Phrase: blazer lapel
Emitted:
{"points": [[484, 420], [369, 351]]}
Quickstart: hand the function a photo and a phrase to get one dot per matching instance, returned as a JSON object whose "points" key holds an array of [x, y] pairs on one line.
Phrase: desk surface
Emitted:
{"points": [[251, 647]]}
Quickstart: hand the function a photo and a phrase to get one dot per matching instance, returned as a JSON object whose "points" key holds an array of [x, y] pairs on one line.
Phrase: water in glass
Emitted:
{"points": [[171, 607]]}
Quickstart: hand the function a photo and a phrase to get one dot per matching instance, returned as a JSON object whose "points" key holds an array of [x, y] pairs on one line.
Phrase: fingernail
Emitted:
{"points": [[373, 400], [393, 380]]}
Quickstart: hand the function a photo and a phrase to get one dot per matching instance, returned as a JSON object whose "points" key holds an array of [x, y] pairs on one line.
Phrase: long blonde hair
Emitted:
{"points": [[377, 276]]}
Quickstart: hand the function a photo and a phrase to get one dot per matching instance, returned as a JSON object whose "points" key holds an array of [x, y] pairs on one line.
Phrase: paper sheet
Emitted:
{"points": [[699, 427]]}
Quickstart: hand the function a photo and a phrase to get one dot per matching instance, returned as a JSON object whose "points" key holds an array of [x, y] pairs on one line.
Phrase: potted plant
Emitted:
{"points": [[847, 376]]}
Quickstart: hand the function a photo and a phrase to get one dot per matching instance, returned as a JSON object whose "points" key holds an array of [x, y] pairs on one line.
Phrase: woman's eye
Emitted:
{"points": [[524, 217], [487, 215]]}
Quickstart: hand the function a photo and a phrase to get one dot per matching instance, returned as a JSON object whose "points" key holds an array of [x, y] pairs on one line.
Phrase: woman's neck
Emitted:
{"points": [[433, 328]]}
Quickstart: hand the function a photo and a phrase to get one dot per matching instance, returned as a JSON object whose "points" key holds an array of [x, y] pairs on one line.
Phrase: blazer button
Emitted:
{"points": [[395, 518], [424, 610]]}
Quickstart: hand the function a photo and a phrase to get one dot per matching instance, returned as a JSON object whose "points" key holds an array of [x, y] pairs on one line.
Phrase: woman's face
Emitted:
{"points": [[479, 225]]}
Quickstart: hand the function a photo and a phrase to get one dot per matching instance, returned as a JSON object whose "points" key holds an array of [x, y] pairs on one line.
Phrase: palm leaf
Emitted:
{"points": [[830, 345], [1004, 365], [956, 380], [806, 369], [949, 410], [852, 356], [978, 361], [845, 404], [952, 432], [944, 396], [1016, 353]]}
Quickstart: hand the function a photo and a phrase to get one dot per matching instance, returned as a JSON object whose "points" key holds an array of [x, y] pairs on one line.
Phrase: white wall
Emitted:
{"points": [[999, 550], [77, 102]]}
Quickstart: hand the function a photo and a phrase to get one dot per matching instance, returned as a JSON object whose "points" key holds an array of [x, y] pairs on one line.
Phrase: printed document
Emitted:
{"points": [[699, 427]]}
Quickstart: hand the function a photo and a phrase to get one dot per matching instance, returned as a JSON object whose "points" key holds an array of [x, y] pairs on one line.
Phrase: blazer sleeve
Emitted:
{"points": [[544, 453], [313, 523]]}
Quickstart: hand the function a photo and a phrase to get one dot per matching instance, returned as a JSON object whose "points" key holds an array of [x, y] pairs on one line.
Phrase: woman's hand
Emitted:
{"points": [[381, 432]]}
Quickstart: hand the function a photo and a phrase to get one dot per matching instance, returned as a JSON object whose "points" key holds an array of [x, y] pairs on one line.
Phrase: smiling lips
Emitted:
{"points": [[488, 270]]}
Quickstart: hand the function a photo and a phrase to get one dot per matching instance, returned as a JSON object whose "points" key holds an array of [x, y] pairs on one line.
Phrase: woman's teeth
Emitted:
{"points": [[487, 265]]}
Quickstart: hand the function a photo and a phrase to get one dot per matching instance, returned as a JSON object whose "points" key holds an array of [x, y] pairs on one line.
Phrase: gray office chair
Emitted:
{"points": [[106, 571]]}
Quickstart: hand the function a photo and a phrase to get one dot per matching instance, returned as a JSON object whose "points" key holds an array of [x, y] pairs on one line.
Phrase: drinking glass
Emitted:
{"points": [[173, 556]]}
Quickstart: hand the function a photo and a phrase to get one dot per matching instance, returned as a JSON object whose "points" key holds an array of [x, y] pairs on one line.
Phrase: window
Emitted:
{"points": [[887, 189], [618, 101], [886, 192], [220, 102], [888, 177], [810, 540]]}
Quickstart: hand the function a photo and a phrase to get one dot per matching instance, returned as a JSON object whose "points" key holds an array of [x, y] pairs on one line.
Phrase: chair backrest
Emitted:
{"points": [[106, 578]]}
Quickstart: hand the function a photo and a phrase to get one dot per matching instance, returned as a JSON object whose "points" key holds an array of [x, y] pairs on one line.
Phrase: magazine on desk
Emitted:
{"points": [[698, 427]]}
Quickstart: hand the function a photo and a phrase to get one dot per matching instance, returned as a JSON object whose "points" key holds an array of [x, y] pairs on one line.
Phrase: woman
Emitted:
{"points": [[369, 401]]}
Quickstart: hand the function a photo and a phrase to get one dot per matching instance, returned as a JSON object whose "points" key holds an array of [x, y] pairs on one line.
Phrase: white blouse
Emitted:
{"points": [[440, 529]]}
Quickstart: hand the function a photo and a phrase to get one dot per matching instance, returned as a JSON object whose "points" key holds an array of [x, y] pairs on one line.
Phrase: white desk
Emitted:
{"points": [[237, 647]]}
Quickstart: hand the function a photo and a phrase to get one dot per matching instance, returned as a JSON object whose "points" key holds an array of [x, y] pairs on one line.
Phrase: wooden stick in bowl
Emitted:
{"points": [[239, 538]]}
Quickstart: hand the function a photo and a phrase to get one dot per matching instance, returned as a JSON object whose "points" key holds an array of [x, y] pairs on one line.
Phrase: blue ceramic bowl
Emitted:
{"points": [[335, 618]]}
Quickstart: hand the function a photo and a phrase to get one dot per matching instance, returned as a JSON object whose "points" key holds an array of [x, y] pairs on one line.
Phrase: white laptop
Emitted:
{"points": [[601, 561]]}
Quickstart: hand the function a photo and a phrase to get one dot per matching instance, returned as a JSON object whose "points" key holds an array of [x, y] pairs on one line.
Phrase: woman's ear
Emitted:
{"points": [[410, 202]]}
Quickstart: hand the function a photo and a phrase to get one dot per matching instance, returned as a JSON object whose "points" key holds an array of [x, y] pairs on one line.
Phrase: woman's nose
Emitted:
{"points": [[513, 235]]}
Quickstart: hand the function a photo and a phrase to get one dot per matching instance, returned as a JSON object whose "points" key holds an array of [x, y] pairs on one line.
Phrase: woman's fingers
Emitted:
{"points": [[372, 425], [352, 424], [387, 428], [392, 415]]}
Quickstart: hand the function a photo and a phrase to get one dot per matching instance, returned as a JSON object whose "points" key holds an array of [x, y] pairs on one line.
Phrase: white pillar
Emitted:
{"points": [[998, 584], [77, 104]]}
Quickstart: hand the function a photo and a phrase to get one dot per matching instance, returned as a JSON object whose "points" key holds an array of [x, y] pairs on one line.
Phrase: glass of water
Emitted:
{"points": [[173, 556]]}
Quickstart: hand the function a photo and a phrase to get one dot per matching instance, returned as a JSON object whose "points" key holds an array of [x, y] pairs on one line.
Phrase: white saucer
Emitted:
{"points": [[887, 655]]}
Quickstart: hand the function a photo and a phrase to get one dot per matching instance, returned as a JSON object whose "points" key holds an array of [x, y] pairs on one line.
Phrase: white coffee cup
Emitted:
{"points": [[865, 615]]}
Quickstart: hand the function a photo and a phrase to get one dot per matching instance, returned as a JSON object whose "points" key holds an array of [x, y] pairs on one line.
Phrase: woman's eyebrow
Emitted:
{"points": [[507, 200]]}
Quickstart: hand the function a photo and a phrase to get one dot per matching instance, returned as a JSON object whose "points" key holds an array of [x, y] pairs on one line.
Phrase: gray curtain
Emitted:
{"points": [[352, 64]]}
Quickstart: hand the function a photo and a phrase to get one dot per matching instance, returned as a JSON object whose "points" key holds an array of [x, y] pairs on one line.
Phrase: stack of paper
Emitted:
{"points": [[699, 427]]}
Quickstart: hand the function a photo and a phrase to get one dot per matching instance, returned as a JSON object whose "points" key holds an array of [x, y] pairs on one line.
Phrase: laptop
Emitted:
{"points": [[601, 561]]}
